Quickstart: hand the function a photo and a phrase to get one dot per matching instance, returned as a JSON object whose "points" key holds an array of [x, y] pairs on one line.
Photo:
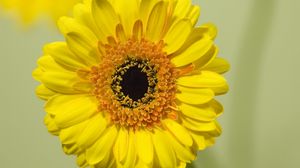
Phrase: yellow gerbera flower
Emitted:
{"points": [[134, 83], [30, 9]]}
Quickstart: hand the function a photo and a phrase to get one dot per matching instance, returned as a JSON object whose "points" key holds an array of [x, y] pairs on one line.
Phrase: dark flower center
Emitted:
{"points": [[136, 80], [135, 83]]}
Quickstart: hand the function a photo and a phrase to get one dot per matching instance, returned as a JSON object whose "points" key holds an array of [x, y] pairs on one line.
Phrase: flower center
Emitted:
{"points": [[135, 83], [135, 79]]}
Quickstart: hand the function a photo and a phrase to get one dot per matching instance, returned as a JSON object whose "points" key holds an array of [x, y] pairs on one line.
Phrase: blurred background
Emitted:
{"points": [[260, 124]]}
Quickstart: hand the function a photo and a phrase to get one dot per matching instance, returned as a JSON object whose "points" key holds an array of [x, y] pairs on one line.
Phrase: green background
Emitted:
{"points": [[260, 38]]}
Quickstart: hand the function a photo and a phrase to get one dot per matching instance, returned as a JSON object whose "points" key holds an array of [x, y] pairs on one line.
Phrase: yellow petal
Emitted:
{"points": [[51, 125], [198, 125], [144, 146], [219, 65], [102, 148], [107, 162], [179, 132], [156, 21], [204, 32], [195, 51], [177, 35], [60, 52], [92, 131], [137, 31], [210, 141], [206, 59], [105, 16], [81, 162], [121, 145], [128, 12], [83, 86], [199, 139], [204, 79], [82, 13], [120, 33], [61, 82], [182, 8], [71, 109], [164, 152], [131, 153], [80, 39], [194, 95], [194, 14], [182, 165], [209, 30], [145, 9], [43, 92], [37, 74], [71, 149], [203, 112], [47, 63], [183, 153], [69, 135]]}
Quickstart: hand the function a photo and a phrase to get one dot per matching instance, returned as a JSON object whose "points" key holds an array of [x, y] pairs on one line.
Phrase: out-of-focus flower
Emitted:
{"points": [[134, 83], [29, 10]]}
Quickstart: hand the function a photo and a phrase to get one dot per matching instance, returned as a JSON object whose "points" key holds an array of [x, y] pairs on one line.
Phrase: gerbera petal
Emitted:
{"points": [[183, 153], [81, 161], [37, 74], [203, 112], [121, 145], [82, 13], [47, 63], [69, 135], [156, 21], [194, 95], [177, 35], [83, 86], [145, 9], [198, 126], [137, 31], [179, 132], [128, 12], [61, 82], [70, 149], [108, 162], [102, 147], [206, 59], [194, 14], [199, 140], [208, 29], [105, 16], [192, 53], [71, 109], [182, 8], [51, 125], [144, 146], [60, 52], [131, 153], [80, 39], [219, 65], [94, 128], [120, 33], [165, 153], [204, 79], [43, 92]]}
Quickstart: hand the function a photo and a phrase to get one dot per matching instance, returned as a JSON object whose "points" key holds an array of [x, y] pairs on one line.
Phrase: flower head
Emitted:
{"points": [[134, 83], [31, 9]]}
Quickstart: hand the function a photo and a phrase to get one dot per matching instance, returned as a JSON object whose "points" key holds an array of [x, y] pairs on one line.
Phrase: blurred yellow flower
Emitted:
{"points": [[134, 83], [31, 9]]}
